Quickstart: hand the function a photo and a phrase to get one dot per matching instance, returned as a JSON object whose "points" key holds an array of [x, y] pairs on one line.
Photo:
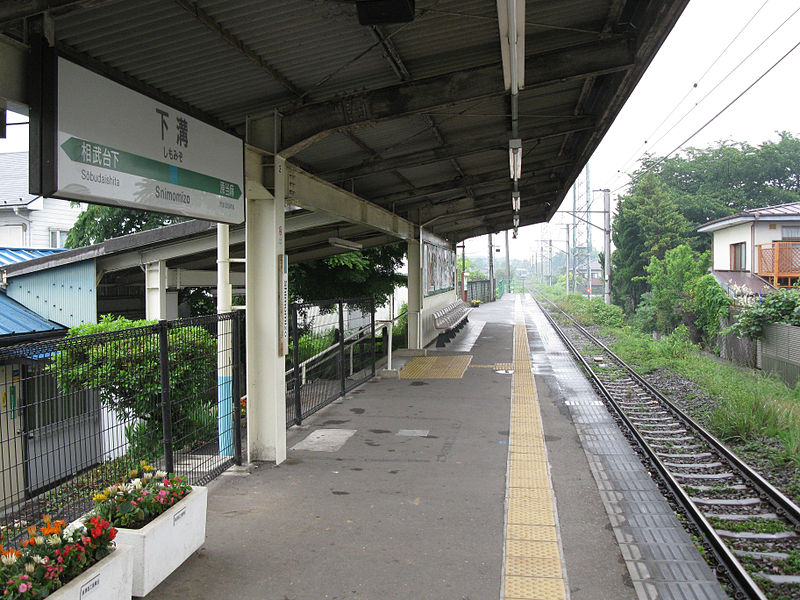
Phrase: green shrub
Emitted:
{"points": [[124, 370]]}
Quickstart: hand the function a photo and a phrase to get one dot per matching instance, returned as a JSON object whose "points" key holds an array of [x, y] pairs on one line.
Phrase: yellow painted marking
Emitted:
{"points": [[533, 564], [436, 367]]}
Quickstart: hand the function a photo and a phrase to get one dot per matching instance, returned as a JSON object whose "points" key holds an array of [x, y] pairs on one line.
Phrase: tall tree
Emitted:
{"points": [[99, 223], [370, 272], [648, 223]]}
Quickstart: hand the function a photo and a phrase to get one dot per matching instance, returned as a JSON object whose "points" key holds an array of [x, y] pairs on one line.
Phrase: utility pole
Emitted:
{"points": [[607, 245], [550, 265], [566, 272], [588, 234], [491, 271]]}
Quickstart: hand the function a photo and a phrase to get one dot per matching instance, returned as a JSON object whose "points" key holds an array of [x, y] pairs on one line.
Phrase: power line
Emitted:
{"points": [[712, 119], [691, 89], [712, 90]]}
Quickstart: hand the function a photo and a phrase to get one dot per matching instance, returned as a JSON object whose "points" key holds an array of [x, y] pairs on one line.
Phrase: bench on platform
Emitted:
{"points": [[449, 321]]}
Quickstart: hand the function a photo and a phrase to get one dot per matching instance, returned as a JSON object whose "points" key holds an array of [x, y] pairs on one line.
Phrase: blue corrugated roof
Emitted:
{"points": [[15, 319], [10, 256]]}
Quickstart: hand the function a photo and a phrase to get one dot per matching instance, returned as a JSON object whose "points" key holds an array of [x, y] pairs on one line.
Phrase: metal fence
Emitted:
{"points": [[79, 412], [333, 348], [479, 290]]}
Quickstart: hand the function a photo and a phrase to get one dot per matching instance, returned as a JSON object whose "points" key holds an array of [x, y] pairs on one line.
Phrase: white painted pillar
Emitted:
{"points": [[414, 295], [155, 283], [266, 387], [226, 403]]}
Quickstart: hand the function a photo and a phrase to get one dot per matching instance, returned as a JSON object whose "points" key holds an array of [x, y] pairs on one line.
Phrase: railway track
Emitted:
{"points": [[749, 525]]}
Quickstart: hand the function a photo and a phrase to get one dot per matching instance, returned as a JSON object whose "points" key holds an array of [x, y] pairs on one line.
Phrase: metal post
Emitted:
{"points": [[508, 263], [491, 272], [391, 331], [566, 272], [166, 405], [298, 382], [607, 245], [341, 346], [237, 394], [550, 264], [372, 328]]}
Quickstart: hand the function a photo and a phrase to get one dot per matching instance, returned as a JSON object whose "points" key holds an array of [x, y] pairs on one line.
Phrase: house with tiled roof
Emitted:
{"points": [[757, 248], [28, 221]]}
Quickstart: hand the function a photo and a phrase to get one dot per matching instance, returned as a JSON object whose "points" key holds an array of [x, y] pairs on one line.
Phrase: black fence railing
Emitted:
{"points": [[479, 290], [333, 348], [78, 413]]}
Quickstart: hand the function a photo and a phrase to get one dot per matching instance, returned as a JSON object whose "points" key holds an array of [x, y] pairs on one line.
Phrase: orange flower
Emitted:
{"points": [[46, 519], [29, 542], [32, 530], [10, 552]]}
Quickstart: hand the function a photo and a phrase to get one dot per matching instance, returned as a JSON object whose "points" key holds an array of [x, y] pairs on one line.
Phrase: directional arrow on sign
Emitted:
{"points": [[81, 151]]}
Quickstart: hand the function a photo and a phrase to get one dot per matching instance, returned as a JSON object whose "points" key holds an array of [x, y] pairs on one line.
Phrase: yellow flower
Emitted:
{"points": [[99, 497], [133, 472], [147, 467]]}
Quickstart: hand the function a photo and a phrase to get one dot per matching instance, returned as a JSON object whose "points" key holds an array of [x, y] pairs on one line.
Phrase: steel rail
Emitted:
{"points": [[781, 501], [739, 576]]}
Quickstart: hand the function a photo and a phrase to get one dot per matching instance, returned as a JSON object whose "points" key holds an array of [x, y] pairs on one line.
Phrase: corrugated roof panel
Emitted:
{"points": [[10, 256], [15, 319], [64, 294]]}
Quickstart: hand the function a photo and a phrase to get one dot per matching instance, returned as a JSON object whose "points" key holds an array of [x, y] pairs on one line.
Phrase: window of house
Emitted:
{"points": [[11, 236], [738, 259], [58, 238], [790, 233]]}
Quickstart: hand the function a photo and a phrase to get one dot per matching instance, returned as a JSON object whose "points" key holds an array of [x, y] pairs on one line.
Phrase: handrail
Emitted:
{"points": [[353, 336]]}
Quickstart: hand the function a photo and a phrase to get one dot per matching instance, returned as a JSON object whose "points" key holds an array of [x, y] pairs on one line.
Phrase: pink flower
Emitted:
{"points": [[24, 587]]}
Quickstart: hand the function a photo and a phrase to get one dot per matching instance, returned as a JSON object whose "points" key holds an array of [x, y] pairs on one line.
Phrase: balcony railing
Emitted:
{"points": [[779, 262]]}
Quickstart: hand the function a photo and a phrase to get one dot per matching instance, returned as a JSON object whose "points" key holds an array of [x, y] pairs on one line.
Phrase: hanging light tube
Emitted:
{"points": [[515, 201], [515, 158]]}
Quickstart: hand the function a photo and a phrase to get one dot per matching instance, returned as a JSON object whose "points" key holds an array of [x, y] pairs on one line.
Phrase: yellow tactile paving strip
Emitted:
{"points": [[532, 567], [436, 367]]}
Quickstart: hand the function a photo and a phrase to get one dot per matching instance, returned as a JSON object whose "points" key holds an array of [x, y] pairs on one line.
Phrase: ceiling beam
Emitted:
{"points": [[312, 193], [450, 151], [242, 48], [303, 126]]}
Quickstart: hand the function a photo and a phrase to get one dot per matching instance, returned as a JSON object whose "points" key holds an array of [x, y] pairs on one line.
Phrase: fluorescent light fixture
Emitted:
{"points": [[340, 243], [515, 201], [511, 19], [515, 158], [516, 231], [516, 220]]}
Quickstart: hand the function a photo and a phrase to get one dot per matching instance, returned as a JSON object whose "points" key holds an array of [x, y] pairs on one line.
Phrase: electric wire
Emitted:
{"points": [[712, 119], [739, 64], [638, 151]]}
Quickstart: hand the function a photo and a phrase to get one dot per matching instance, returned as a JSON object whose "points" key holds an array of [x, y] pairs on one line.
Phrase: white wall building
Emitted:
{"points": [[28, 221], [762, 242]]}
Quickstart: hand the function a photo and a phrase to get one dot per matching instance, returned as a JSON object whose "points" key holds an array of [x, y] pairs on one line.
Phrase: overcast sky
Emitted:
{"points": [[693, 77], [687, 58]]}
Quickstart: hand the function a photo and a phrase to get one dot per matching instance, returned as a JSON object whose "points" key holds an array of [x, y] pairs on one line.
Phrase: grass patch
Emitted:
{"points": [[755, 525], [751, 405]]}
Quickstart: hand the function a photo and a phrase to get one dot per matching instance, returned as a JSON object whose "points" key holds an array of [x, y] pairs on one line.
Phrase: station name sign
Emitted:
{"points": [[119, 147]]}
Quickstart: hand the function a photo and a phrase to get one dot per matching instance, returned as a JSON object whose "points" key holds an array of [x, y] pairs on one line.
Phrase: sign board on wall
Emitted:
{"points": [[118, 147], [439, 273]]}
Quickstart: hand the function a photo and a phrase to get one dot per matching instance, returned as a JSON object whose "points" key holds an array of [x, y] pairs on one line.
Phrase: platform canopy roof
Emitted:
{"points": [[414, 117]]}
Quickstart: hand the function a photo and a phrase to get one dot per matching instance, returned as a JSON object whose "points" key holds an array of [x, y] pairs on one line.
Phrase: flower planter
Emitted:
{"points": [[162, 545], [109, 579]]}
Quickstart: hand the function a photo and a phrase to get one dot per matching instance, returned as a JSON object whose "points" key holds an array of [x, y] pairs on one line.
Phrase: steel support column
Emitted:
{"points": [[266, 386]]}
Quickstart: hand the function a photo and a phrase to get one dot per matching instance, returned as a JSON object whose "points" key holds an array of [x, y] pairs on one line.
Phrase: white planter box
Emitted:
{"points": [[162, 545], [109, 579]]}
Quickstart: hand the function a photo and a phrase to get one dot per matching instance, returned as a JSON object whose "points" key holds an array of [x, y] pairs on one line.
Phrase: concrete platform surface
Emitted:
{"points": [[400, 490]]}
